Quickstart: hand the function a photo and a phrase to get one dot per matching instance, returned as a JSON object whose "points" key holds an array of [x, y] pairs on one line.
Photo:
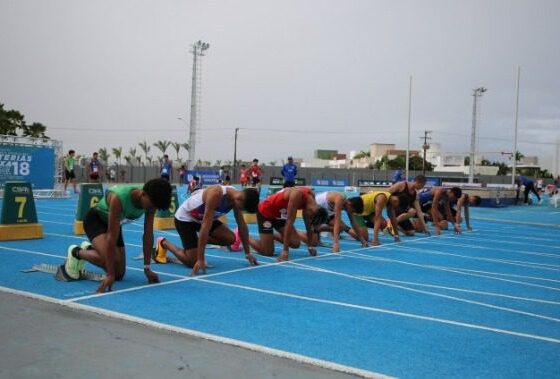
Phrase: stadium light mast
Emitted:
{"points": [[477, 92], [514, 156], [198, 49], [407, 158]]}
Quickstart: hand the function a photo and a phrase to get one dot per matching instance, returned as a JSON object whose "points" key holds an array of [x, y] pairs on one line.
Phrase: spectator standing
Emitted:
{"points": [[69, 174], [243, 176], [255, 173], [289, 172], [166, 168], [94, 168]]}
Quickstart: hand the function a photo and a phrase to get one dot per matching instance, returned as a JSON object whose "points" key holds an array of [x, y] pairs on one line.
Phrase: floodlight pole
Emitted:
{"points": [[234, 175], [476, 94], [514, 155], [408, 134], [197, 51]]}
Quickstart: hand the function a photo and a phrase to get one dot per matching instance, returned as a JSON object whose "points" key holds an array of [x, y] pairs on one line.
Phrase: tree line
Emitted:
{"points": [[12, 123]]}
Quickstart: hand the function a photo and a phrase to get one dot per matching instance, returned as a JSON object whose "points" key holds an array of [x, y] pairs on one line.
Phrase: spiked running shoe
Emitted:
{"points": [[236, 245], [72, 264], [159, 253]]}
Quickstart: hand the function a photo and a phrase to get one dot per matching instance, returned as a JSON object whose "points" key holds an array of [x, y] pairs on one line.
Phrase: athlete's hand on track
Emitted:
{"points": [[199, 265], [152, 276], [336, 247], [312, 251], [252, 260], [457, 228], [106, 284], [283, 256]]}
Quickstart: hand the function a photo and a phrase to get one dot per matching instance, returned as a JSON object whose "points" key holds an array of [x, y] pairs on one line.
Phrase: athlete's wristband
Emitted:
{"points": [[146, 267]]}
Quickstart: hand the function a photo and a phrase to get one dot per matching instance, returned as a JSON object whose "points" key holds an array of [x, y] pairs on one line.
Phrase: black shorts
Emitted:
{"points": [[267, 225], [406, 225], [69, 174], [166, 177], [188, 231], [426, 207], [95, 225], [451, 209], [255, 180]]}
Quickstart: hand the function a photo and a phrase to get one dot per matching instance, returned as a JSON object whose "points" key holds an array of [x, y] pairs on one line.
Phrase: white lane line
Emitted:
{"points": [[484, 293], [188, 279], [502, 241], [206, 336], [386, 311], [457, 271], [533, 265], [435, 294], [530, 223], [440, 243]]}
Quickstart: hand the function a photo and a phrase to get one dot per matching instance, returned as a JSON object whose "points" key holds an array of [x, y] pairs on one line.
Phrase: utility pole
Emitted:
{"points": [[234, 175], [425, 146]]}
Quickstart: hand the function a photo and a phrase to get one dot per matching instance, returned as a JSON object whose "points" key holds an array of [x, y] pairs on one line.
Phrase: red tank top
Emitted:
{"points": [[275, 206]]}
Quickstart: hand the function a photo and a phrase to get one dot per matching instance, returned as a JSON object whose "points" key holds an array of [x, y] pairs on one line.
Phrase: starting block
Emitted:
{"points": [[19, 215], [90, 194], [60, 273], [166, 219]]}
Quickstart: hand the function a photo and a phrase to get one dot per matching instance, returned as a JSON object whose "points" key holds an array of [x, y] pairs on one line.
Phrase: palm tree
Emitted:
{"points": [[177, 146], [104, 155], [145, 148], [117, 152], [162, 146], [35, 130], [10, 121], [132, 154]]}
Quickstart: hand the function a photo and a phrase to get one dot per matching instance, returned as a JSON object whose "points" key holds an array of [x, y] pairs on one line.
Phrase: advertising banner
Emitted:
{"points": [[207, 178], [31, 164], [330, 182]]}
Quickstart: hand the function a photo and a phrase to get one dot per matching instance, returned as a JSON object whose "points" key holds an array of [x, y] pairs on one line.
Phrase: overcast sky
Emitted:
{"points": [[332, 74]]}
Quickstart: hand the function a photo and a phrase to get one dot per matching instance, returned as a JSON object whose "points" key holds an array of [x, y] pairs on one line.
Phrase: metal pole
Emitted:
{"points": [[473, 139], [234, 175], [425, 146], [192, 128], [514, 155], [408, 135]]}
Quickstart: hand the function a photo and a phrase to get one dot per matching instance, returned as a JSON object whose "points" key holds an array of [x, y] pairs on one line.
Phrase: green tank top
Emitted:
{"points": [[124, 193]]}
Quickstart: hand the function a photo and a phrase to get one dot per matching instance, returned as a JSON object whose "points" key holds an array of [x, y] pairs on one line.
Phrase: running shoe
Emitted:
{"points": [[72, 264], [236, 245], [159, 254]]}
